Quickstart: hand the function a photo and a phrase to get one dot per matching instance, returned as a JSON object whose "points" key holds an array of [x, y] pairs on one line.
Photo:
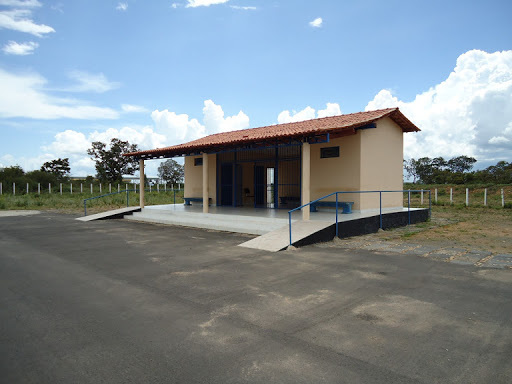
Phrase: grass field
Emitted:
{"points": [[74, 203]]}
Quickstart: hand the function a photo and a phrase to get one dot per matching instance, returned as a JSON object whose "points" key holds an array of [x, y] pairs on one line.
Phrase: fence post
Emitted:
{"points": [[502, 198], [158, 188], [81, 188], [50, 188], [60, 188], [149, 188], [467, 197], [71, 188], [430, 203], [451, 195], [165, 187], [435, 195], [126, 186], [118, 188], [380, 210], [38, 188], [27, 188], [409, 205], [100, 188], [1, 192], [485, 197], [422, 197], [14, 189], [91, 188]]}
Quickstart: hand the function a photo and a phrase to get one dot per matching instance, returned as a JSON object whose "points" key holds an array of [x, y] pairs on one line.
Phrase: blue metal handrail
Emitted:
{"points": [[380, 205], [127, 191]]}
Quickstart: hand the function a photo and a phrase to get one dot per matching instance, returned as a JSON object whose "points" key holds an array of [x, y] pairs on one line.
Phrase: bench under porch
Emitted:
{"points": [[188, 200], [345, 206]]}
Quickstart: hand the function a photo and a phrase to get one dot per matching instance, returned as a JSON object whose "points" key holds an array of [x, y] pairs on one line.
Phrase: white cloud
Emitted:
{"points": [[177, 128], [308, 113], [23, 96], [332, 109], [175, 5], [129, 108], [467, 114], [204, 3], [215, 122], [498, 140], [68, 143], [90, 82], [243, 8], [21, 49], [122, 6], [317, 23], [21, 3], [145, 137], [18, 20]]}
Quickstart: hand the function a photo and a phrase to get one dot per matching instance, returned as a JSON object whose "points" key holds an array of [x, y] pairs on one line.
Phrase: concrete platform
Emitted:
{"points": [[221, 220], [271, 224], [113, 214]]}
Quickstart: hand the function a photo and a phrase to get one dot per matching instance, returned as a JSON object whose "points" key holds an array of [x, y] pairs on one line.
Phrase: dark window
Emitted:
{"points": [[198, 161], [329, 152]]}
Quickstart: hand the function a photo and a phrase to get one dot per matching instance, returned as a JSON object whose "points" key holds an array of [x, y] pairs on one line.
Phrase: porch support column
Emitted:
{"points": [[306, 179], [205, 183], [141, 189]]}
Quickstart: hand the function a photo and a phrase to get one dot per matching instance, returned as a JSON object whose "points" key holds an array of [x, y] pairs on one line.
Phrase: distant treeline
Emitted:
{"points": [[52, 172], [457, 170]]}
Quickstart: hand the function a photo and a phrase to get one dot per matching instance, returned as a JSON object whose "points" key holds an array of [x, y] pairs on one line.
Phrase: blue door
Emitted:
{"points": [[226, 184], [259, 185]]}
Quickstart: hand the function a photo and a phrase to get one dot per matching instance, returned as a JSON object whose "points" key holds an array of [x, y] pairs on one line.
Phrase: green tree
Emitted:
{"points": [[461, 164], [111, 165], [171, 171], [59, 168]]}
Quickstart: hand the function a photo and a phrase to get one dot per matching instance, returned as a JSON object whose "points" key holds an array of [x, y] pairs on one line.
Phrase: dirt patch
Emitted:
{"points": [[484, 229]]}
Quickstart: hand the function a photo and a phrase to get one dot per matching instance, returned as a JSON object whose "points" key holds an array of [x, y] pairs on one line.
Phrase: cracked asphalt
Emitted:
{"points": [[124, 302]]}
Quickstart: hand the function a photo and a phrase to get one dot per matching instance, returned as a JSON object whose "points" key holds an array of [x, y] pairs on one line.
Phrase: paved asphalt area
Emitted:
{"points": [[126, 302]]}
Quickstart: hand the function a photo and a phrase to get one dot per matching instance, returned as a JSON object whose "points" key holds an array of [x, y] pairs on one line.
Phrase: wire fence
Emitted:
{"points": [[80, 188], [492, 197]]}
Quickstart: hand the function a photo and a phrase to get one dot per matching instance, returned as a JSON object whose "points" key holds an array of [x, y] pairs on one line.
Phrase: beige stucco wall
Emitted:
{"points": [[337, 173], [194, 178], [372, 159], [382, 164]]}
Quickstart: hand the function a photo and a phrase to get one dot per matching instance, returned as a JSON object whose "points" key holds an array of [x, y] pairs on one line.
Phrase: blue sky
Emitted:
{"points": [[158, 73]]}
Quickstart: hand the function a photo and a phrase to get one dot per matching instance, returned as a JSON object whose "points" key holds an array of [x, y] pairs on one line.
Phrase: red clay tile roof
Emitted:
{"points": [[300, 130]]}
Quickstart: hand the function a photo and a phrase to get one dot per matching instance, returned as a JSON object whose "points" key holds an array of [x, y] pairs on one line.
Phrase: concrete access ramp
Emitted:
{"points": [[113, 214], [279, 239]]}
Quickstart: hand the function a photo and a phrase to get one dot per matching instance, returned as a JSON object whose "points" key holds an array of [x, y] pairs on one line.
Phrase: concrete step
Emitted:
{"points": [[229, 223], [113, 214], [279, 239]]}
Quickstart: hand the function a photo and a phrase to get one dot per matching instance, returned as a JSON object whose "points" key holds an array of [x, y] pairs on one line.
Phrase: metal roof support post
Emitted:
{"points": [[306, 179], [205, 182], [141, 172]]}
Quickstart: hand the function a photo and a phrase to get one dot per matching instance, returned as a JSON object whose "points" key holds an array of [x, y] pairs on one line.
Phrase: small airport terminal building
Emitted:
{"points": [[288, 165]]}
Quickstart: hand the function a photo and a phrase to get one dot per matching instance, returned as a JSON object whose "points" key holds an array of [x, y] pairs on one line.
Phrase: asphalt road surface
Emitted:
{"points": [[126, 302]]}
